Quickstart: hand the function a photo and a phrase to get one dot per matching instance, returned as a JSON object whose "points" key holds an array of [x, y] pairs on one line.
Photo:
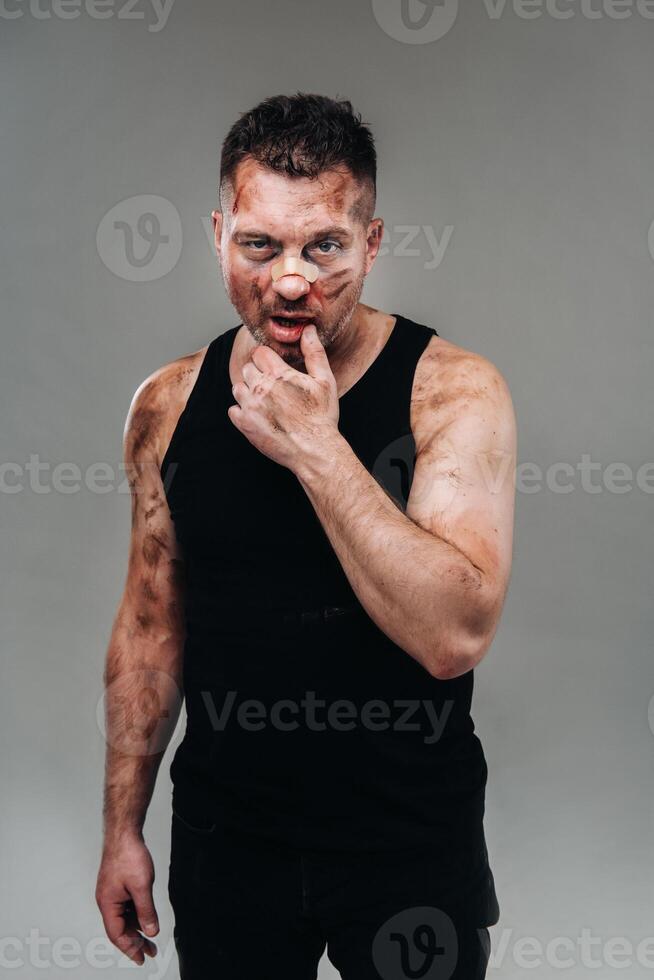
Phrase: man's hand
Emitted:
{"points": [[287, 415], [124, 896]]}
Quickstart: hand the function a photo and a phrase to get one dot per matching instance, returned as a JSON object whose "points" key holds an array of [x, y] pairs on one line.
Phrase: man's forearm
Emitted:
{"points": [[142, 703], [129, 784], [415, 586]]}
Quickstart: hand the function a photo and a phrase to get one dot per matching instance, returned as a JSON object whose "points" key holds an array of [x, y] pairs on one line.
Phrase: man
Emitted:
{"points": [[321, 547]]}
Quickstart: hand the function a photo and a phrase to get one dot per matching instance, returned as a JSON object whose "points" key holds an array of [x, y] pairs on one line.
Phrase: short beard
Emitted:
{"points": [[294, 356]]}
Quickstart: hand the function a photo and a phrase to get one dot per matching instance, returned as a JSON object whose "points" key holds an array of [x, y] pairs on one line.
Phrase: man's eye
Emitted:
{"points": [[334, 245], [263, 244]]}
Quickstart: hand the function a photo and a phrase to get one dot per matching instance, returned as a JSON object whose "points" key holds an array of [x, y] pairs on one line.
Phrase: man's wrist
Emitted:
{"points": [[122, 832], [317, 463]]}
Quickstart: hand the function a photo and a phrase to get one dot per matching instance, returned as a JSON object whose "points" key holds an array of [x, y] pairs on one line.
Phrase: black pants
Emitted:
{"points": [[247, 909]]}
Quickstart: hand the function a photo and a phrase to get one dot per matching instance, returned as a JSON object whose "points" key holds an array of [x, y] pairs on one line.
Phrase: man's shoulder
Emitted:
{"points": [[172, 380], [157, 404], [449, 378]]}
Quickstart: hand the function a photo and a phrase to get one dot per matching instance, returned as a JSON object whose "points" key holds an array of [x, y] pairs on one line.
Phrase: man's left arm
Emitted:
{"points": [[434, 579]]}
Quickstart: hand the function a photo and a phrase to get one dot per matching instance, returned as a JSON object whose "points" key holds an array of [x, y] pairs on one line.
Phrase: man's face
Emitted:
{"points": [[270, 217]]}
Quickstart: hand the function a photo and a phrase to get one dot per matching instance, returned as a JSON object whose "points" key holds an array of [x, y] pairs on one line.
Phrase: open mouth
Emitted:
{"points": [[285, 321], [288, 330]]}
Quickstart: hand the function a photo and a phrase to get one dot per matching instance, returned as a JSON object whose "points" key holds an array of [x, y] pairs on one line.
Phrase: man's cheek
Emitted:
{"points": [[333, 284]]}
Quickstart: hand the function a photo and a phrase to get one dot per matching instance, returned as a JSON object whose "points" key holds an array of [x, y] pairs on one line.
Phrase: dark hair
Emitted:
{"points": [[302, 135]]}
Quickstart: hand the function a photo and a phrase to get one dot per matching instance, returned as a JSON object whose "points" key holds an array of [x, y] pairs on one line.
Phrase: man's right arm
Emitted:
{"points": [[143, 679]]}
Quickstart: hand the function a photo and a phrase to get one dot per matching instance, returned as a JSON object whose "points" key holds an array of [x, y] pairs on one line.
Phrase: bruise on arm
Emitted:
{"points": [[150, 620], [464, 479], [144, 662]]}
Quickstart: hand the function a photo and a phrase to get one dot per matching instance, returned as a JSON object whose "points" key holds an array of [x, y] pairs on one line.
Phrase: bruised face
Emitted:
{"points": [[269, 217]]}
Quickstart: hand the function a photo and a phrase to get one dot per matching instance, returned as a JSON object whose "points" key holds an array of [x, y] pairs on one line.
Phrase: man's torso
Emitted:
{"points": [[262, 574]]}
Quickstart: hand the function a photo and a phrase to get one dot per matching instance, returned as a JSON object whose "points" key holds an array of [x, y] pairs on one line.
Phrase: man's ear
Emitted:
{"points": [[373, 242], [217, 228]]}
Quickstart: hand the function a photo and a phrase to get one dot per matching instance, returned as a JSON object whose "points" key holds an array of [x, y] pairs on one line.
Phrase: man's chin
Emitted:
{"points": [[290, 353]]}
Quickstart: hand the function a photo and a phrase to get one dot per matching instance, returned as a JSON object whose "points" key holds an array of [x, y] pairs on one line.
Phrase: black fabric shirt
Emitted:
{"points": [[306, 724]]}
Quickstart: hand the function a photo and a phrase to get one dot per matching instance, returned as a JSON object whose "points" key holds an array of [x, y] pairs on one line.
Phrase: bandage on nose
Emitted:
{"points": [[294, 267]]}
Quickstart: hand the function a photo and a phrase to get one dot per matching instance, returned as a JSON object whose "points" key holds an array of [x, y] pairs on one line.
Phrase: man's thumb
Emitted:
{"points": [[146, 913]]}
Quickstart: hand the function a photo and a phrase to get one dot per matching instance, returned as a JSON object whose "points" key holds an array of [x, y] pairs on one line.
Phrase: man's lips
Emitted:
{"points": [[289, 331], [306, 317]]}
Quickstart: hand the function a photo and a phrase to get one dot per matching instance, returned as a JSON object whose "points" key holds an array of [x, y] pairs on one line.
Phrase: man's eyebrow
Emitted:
{"points": [[242, 234], [333, 230]]}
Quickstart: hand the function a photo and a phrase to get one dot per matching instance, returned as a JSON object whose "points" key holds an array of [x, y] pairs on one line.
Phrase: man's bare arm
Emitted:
{"points": [[434, 578], [143, 677]]}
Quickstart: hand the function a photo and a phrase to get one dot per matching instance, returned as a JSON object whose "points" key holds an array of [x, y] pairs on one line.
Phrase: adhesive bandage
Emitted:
{"points": [[294, 267]]}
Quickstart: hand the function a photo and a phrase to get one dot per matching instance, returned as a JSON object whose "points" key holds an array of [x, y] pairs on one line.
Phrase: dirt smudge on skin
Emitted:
{"points": [[335, 293], [144, 621], [153, 546], [151, 511]]}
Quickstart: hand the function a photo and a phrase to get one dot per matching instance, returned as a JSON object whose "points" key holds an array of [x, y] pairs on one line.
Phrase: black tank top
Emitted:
{"points": [[306, 724]]}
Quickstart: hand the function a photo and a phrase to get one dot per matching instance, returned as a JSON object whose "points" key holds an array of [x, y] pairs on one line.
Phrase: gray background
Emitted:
{"points": [[530, 138]]}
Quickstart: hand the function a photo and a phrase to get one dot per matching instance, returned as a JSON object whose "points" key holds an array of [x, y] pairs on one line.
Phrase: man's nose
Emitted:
{"points": [[291, 287]]}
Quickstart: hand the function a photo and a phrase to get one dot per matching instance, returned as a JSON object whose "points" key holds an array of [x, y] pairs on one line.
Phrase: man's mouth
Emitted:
{"points": [[291, 321], [287, 329]]}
